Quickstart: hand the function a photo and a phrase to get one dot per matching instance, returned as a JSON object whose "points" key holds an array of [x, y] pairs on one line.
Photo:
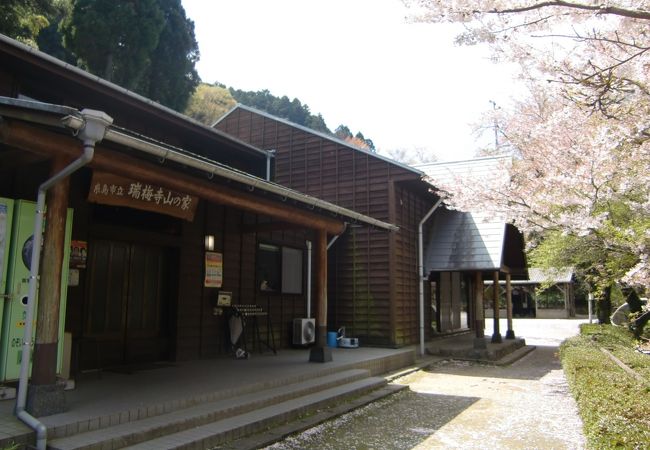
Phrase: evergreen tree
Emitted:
{"points": [[50, 39], [171, 77], [317, 123], [343, 132], [115, 40], [283, 107], [23, 19]]}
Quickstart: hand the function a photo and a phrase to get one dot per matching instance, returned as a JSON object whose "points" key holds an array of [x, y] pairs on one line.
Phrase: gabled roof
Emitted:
{"points": [[51, 115], [49, 63], [450, 173], [329, 137], [553, 275], [471, 241], [462, 241]]}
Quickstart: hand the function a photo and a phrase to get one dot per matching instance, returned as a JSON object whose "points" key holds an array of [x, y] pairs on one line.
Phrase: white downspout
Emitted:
{"points": [[94, 128], [269, 154], [421, 271], [308, 279]]}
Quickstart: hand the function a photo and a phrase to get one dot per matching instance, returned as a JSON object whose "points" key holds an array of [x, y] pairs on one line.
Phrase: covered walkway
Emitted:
{"points": [[104, 398]]}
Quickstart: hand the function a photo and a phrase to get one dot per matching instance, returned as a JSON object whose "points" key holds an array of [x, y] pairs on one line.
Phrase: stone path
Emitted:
{"points": [[463, 405]]}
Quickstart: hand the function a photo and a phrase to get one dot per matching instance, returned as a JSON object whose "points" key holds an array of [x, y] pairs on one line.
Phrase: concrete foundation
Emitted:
{"points": [[45, 400], [320, 354]]}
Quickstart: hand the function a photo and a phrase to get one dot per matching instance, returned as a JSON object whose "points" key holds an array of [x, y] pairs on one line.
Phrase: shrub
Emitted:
{"points": [[615, 407]]}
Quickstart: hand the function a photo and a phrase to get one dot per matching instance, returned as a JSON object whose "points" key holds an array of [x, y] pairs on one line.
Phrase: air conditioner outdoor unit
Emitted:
{"points": [[304, 331]]}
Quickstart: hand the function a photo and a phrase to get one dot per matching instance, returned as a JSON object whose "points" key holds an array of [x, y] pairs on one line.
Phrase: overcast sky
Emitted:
{"points": [[356, 62]]}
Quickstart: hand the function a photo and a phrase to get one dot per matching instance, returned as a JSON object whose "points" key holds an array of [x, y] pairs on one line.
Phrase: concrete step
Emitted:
{"points": [[213, 434], [278, 433], [147, 428]]}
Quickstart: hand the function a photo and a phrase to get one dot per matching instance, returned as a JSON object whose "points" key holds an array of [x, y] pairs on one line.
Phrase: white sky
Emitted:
{"points": [[356, 62]]}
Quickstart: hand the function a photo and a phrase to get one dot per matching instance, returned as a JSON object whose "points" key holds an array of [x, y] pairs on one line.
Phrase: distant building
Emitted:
{"points": [[555, 302]]}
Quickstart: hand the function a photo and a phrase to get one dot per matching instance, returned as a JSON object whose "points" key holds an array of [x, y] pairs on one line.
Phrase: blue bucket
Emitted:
{"points": [[331, 339]]}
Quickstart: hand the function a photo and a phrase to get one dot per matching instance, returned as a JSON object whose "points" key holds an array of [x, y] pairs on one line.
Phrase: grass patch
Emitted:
{"points": [[614, 406]]}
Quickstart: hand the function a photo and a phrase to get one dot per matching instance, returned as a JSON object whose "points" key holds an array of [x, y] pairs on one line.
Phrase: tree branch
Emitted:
{"points": [[598, 9]]}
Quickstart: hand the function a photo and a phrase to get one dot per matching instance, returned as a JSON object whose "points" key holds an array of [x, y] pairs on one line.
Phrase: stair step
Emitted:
{"points": [[136, 431], [213, 434], [272, 435]]}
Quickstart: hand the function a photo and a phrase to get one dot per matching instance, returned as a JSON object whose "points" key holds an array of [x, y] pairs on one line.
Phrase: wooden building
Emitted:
{"points": [[547, 294], [374, 282], [156, 188], [467, 249]]}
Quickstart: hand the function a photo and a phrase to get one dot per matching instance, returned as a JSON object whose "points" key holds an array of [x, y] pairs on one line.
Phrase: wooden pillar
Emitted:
{"points": [[44, 397], [479, 313], [320, 352], [496, 335], [510, 334]]}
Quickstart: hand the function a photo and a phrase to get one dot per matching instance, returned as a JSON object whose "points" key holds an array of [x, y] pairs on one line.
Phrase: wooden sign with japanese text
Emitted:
{"points": [[109, 189]]}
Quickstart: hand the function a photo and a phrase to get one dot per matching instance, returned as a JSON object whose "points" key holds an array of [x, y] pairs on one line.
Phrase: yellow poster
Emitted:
{"points": [[213, 270]]}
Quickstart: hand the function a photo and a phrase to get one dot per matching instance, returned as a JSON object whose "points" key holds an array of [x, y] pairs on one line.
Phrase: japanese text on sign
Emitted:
{"points": [[114, 190]]}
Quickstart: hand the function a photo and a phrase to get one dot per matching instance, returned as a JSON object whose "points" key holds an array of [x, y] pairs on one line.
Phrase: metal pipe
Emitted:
{"points": [[92, 132], [308, 279], [333, 240], [269, 154], [164, 154], [421, 271]]}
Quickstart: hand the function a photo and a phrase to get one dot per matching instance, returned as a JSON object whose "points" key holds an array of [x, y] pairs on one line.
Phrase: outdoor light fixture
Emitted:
{"points": [[209, 242]]}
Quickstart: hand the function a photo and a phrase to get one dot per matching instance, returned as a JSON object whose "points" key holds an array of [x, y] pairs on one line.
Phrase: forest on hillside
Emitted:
{"points": [[148, 47]]}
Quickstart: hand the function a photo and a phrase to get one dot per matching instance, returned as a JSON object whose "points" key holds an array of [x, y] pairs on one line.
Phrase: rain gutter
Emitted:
{"points": [[421, 271], [167, 153], [90, 131]]}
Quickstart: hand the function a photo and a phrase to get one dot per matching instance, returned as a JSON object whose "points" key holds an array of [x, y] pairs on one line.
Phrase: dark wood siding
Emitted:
{"points": [[410, 209], [201, 333], [373, 281]]}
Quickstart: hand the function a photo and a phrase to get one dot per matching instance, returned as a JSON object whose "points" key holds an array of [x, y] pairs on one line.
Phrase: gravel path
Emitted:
{"points": [[462, 405]]}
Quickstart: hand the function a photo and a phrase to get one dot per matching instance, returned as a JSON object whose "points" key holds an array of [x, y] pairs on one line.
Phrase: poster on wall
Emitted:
{"points": [[78, 254], [213, 270]]}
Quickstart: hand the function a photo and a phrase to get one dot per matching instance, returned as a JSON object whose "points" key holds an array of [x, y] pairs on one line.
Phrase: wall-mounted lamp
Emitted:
{"points": [[209, 242]]}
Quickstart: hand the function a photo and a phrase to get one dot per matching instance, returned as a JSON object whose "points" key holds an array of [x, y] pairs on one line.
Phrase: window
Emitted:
{"points": [[279, 269], [291, 270]]}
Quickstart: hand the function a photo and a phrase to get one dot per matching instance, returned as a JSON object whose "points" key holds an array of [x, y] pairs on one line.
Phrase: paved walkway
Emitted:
{"points": [[467, 405], [523, 406]]}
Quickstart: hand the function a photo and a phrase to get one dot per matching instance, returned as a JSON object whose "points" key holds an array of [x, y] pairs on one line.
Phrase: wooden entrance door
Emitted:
{"points": [[129, 292]]}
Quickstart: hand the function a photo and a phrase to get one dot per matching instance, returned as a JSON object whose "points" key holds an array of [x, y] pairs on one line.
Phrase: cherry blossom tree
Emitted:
{"points": [[578, 182]]}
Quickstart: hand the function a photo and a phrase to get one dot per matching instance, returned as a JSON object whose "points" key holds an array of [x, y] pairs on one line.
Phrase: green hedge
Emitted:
{"points": [[614, 406]]}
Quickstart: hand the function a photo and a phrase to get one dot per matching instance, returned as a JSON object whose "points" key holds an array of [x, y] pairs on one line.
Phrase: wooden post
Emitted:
{"points": [[496, 335], [479, 314], [510, 334], [44, 397], [320, 352]]}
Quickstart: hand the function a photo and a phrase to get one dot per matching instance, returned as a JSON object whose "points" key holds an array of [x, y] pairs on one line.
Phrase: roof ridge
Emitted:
{"points": [[329, 137]]}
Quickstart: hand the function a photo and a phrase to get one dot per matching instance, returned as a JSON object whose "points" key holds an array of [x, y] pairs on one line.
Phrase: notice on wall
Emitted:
{"points": [[78, 254], [213, 270], [109, 189]]}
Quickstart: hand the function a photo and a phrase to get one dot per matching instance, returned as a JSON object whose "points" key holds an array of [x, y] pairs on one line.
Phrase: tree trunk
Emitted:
{"points": [[108, 70], [604, 306]]}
